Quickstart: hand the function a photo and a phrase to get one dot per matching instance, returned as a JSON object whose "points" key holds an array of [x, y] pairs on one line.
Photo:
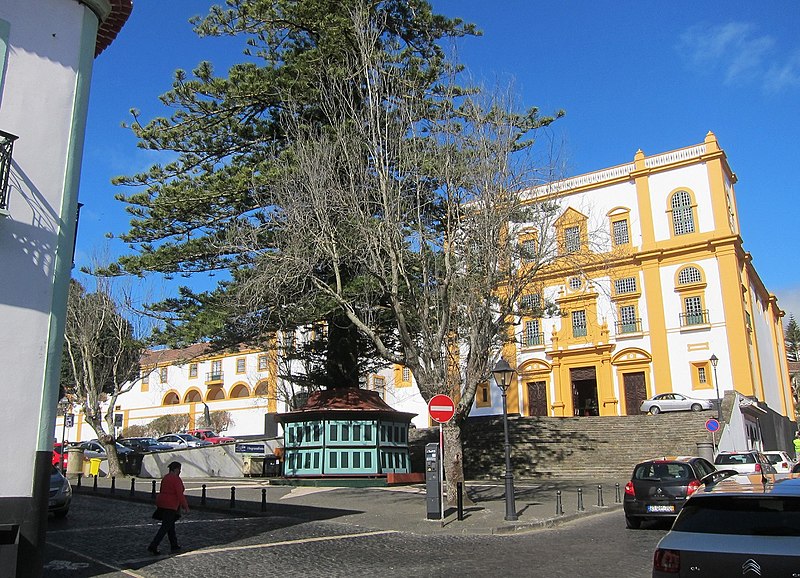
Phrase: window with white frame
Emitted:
{"points": [[262, 362], [627, 319], [579, 323], [241, 364], [528, 249], [620, 231], [531, 301], [575, 283], [163, 374], [625, 285], [572, 239], [693, 311], [533, 335], [379, 384], [682, 213], [701, 375], [192, 370], [689, 275], [406, 374]]}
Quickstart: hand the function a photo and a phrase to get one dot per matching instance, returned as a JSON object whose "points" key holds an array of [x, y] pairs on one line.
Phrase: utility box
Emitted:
{"points": [[253, 466], [9, 543], [433, 482]]}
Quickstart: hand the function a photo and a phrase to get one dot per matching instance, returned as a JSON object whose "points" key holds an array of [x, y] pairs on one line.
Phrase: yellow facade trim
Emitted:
{"points": [[654, 298]]}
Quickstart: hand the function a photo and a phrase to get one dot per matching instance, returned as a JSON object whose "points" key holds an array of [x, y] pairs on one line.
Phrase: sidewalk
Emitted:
{"points": [[399, 508]]}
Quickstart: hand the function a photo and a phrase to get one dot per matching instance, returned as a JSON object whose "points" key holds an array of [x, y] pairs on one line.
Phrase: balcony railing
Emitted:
{"points": [[694, 318], [533, 339], [6, 148], [213, 377], [579, 331], [632, 326]]}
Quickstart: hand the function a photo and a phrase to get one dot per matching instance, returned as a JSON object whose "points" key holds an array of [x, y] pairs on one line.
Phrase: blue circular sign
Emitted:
{"points": [[712, 425]]}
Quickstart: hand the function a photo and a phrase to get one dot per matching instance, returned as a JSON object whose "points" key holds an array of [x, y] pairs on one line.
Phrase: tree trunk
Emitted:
{"points": [[453, 463]]}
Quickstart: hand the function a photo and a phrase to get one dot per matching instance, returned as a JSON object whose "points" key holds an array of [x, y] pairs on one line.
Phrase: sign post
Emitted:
{"points": [[712, 425], [441, 409]]}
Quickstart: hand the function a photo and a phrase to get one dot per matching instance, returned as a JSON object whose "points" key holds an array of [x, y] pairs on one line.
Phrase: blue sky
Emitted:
{"points": [[630, 75]]}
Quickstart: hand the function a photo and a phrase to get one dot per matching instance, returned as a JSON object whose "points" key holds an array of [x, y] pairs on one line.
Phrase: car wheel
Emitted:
{"points": [[696, 407], [632, 523], [655, 410]]}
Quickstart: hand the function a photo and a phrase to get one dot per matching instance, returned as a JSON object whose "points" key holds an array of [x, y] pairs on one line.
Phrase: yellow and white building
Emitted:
{"points": [[657, 283]]}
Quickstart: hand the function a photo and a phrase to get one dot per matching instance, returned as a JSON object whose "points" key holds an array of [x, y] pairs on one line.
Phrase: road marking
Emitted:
{"points": [[285, 543], [300, 491], [95, 560]]}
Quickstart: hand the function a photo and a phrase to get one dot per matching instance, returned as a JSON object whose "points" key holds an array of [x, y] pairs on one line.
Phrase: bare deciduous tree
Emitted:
{"points": [[100, 360]]}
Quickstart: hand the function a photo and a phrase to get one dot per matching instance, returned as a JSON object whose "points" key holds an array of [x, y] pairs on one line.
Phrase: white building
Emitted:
{"points": [[47, 49]]}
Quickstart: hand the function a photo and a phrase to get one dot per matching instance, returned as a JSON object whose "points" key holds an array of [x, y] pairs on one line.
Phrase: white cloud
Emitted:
{"points": [[789, 301], [741, 54]]}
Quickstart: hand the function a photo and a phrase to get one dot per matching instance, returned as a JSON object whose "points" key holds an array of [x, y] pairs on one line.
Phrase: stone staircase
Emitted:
{"points": [[602, 448]]}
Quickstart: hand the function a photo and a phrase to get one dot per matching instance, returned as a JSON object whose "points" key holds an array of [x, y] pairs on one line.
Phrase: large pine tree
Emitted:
{"points": [[229, 131], [792, 338]]}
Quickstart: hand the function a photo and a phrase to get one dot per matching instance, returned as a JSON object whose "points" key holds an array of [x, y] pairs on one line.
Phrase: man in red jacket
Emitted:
{"points": [[169, 502]]}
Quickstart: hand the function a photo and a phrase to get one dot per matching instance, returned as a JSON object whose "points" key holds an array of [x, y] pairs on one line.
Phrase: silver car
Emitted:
{"points": [[60, 495], [675, 402], [182, 441], [752, 533]]}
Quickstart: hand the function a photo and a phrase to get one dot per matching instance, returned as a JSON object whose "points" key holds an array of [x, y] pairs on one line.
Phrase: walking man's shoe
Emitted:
{"points": [[153, 550]]}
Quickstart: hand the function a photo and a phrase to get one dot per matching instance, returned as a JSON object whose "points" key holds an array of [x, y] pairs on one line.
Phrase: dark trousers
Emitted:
{"points": [[167, 528]]}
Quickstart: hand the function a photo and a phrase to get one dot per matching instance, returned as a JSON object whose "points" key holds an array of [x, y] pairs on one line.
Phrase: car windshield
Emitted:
{"points": [[741, 515], [774, 458], [733, 459], [662, 472]]}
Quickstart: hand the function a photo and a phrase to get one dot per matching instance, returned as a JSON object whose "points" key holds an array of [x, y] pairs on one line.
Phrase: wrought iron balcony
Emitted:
{"points": [[6, 148], [214, 377], [533, 339], [694, 318], [632, 326], [579, 331]]}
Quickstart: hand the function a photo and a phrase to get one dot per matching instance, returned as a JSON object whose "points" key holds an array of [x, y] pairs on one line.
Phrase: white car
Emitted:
{"points": [[182, 441], [674, 402], [781, 461]]}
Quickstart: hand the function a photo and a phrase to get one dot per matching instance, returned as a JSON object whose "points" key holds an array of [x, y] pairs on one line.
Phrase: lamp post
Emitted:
{"points": [[503, 374], [714, 361]]}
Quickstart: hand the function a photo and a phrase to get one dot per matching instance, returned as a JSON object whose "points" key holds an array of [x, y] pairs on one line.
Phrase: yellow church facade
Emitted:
{"points": [[663, 286]]}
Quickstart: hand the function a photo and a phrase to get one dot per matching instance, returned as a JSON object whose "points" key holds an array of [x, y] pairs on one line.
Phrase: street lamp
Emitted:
{"points": [[714, 361], [503, 373]]}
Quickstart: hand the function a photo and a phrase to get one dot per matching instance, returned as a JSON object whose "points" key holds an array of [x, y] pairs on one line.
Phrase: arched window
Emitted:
{"points": [[262, 389], [682, 213], [689, 275], [215, 393], [192, 396], [171, 399], [240, 391]]}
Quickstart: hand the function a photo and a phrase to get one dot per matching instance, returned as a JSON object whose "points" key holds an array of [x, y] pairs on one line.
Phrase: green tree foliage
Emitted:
{"points": [[100, 360], [229, 131], [792, 338]]}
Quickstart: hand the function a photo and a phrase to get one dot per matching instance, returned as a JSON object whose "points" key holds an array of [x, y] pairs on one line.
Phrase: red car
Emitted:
{"points": [[210, 435], [57, 456]]}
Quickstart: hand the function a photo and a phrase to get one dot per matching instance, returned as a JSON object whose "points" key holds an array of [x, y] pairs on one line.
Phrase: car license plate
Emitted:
{"points": [[669, 508]]}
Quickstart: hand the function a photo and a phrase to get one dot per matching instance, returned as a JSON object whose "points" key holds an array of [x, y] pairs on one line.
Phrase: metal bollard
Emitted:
{"points": [[460, 500], [203, 496], [233, 497], [153, 491], [618, 498], [94, 488], [559, 509], [580, 500], [263, 499], [600, 495], [133, 487], [80, 475], [113, 485]]}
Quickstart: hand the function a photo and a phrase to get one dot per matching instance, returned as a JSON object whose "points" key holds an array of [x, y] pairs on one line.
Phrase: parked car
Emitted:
{"points": [[780, 461], [144, 444], [751, 463], [734, 534], [674, 402], [210, 436], [182, 441], [659, 487], [60, 493], [94, 449], [58, 450]]}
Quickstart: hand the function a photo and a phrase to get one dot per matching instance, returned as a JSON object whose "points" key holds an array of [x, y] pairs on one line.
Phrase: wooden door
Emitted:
{"points": [[635, 392], [537, 398]]}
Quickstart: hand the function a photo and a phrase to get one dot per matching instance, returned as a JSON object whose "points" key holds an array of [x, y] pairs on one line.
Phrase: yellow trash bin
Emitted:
{"points": [[94, 466]]}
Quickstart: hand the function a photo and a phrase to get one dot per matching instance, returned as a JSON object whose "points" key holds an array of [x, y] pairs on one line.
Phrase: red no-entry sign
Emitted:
{"points": [[441, 408]]}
